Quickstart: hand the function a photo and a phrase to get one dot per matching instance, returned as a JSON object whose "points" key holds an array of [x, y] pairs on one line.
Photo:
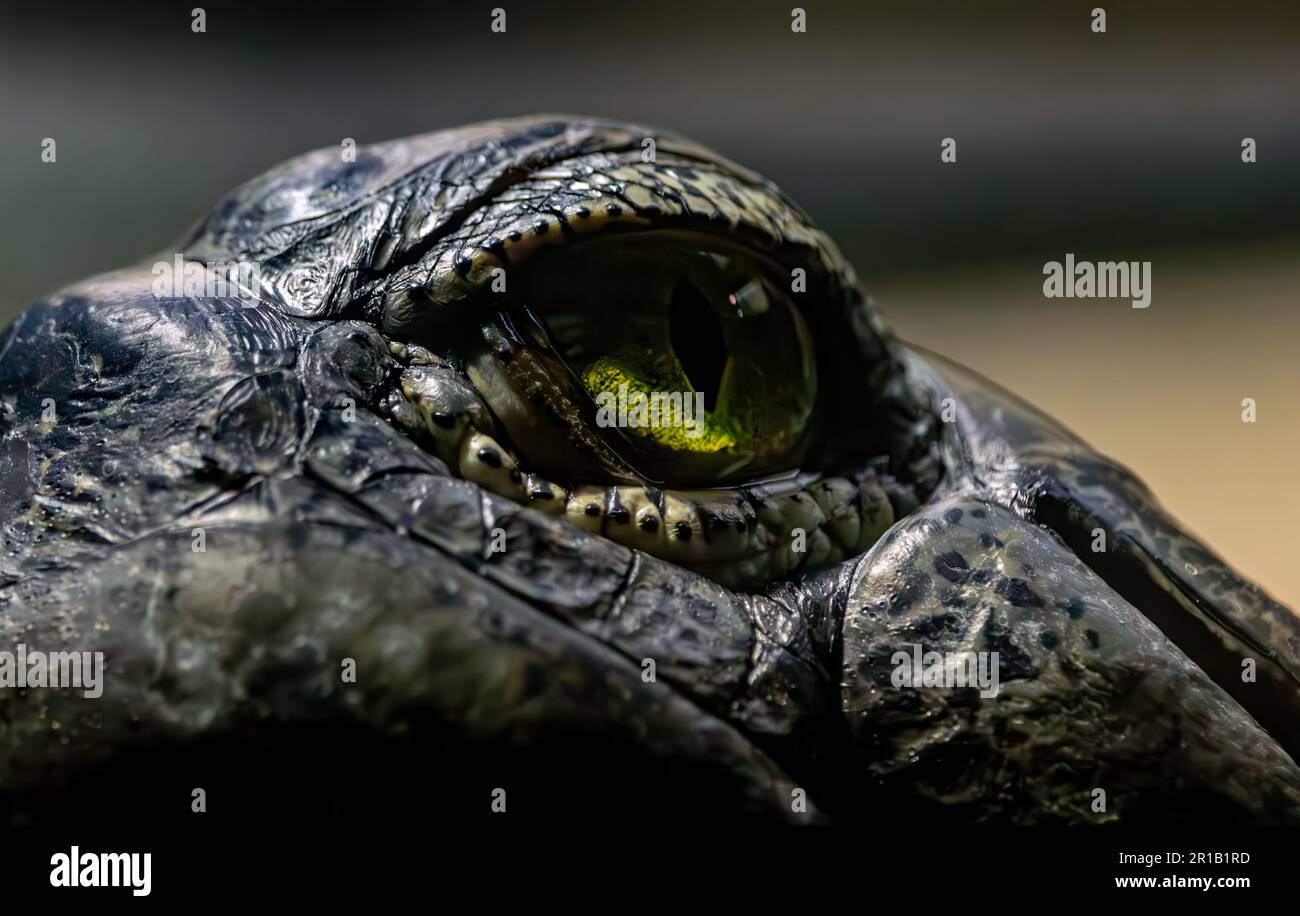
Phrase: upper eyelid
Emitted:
{"points": [[463, 264]]}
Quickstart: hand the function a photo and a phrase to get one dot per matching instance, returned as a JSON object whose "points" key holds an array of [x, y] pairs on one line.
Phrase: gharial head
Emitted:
{"points": [[565, 456]]}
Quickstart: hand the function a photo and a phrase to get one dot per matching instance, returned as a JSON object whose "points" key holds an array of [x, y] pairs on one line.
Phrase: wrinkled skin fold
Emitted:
{"points": [[332, 534]]}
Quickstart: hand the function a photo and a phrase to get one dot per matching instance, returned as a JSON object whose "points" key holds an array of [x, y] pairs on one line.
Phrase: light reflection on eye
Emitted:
{"points": [[750, 300]]}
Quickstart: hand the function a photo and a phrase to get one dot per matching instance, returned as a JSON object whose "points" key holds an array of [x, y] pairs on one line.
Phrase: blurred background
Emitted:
{"points": [[1117, 146]]}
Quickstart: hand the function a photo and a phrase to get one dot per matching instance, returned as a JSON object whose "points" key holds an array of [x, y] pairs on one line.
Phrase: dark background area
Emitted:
{"points": [[1117, 146]]}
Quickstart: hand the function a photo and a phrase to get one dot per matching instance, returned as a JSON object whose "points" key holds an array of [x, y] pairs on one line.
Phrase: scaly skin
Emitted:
{"points": [[331, 447]]}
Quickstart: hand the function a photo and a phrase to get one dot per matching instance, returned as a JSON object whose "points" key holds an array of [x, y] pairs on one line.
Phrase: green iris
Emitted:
{"points": [[698, 363]]}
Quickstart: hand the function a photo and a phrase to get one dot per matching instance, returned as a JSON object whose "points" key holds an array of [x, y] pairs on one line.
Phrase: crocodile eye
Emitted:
{"points": [[684, 354]]}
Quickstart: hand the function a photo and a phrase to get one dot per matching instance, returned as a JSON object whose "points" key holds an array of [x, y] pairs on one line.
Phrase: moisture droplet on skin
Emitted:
{"points": [[1191, 570]]}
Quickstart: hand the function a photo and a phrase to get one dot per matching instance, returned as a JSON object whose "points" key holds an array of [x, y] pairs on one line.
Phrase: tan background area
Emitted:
{"points": [[1158, 389]]}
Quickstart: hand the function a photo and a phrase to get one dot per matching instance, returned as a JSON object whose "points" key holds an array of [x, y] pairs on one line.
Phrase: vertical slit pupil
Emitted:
{"points": [[697, 339]]}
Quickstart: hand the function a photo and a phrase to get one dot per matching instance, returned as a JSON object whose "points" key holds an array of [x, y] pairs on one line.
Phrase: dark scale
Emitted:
{"points": [[614, 509], [1013, 662], [1018, 593], [953, 567], [1074, 609], [936, 626], [950, 598], [917, 588]]}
